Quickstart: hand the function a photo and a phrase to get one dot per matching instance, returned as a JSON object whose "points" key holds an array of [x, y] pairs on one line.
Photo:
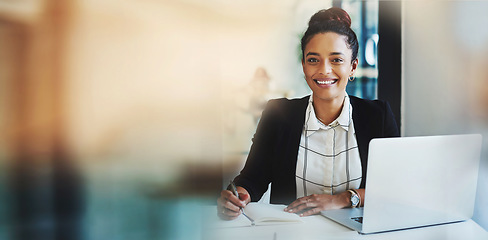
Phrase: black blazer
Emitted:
{"points": [[273, 154]]}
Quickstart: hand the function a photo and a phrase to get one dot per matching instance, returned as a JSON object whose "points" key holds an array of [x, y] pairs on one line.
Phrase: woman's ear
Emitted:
{"points": [[354, 66]]}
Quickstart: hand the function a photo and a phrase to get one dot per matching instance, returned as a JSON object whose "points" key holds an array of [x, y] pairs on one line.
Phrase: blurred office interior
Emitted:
{"points": [[120, 119]]}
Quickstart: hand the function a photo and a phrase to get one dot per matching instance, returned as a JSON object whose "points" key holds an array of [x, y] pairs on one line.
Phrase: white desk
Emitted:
{"points": [[318, 227]]}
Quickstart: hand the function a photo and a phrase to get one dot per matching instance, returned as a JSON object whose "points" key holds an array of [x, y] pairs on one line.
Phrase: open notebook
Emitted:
{"points": [[263, 214]]}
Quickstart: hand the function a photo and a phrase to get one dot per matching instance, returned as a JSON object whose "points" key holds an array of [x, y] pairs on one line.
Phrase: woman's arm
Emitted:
{"points": [[390, 125], [256, 174]]}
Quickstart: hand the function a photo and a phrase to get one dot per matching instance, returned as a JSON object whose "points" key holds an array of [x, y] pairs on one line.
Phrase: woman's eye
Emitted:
{"points": [[312, 60], [337, 60]]}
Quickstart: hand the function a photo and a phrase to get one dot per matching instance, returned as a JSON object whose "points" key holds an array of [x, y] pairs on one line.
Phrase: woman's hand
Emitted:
{"points": [[228, 205], [315, 203]]}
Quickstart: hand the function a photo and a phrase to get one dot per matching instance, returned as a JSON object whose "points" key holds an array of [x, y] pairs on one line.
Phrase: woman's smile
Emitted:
{"points": [[325, 82]]}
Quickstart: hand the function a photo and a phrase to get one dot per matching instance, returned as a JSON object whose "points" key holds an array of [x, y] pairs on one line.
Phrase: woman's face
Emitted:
{"points": [[327, 66]]}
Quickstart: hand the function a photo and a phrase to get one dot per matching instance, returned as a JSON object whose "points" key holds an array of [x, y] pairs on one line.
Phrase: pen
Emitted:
{"points": [[234, 191]]}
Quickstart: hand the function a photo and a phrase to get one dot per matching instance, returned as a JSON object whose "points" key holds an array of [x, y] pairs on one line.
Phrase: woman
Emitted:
{"points": [[314, 150]]}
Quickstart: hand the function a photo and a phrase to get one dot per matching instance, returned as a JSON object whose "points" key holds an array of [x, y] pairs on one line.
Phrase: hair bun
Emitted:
{"points": [[331, 14]]}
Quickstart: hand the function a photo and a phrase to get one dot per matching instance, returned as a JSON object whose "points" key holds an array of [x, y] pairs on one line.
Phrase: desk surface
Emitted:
{"points": [[317, 227]]}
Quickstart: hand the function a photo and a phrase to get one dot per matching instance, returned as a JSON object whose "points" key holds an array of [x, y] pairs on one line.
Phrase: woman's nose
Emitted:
{"points": [[326, 67]]}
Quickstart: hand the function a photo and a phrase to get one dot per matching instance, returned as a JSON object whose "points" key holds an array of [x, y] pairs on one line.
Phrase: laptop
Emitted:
{"points": [[416, 182]]}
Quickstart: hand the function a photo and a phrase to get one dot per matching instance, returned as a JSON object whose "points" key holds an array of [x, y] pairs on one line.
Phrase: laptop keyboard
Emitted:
{"points": [[358, 219]]}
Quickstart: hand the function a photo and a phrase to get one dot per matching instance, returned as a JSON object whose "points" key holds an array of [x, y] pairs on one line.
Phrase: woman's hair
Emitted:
{"points": [[331, 20]]}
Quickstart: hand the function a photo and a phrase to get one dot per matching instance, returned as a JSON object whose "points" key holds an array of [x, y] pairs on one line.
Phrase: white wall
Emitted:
{"points": [[445, 46]]}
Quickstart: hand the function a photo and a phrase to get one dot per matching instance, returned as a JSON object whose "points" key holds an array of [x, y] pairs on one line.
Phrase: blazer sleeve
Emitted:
{"points": [[372, 119], [256, 174], [390, 125]]}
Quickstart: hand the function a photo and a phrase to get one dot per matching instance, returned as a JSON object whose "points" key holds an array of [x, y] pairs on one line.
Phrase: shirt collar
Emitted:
{"points": [[313, 124]]}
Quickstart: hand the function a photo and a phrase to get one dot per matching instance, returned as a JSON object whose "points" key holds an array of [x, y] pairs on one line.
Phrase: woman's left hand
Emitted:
{"points": [[315, 203]]}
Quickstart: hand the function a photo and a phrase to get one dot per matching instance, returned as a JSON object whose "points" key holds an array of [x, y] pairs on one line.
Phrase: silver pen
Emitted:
{"points": [[234, 191]]}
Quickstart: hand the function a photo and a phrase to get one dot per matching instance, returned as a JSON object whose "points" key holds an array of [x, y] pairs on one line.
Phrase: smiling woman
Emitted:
{"points": [[313, 150]]}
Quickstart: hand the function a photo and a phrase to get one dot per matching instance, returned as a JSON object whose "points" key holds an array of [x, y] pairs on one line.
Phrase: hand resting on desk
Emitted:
{"points": [[315, 203], [228, 205]]}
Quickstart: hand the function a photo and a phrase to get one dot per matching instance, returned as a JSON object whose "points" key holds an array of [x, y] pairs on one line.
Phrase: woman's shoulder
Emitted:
{"points": [[287, 106], [374, 111], [368, 105], [289, 101]]}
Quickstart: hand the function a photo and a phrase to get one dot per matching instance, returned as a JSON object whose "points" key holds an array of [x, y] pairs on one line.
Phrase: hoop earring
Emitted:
{"points": [[351, 79]]}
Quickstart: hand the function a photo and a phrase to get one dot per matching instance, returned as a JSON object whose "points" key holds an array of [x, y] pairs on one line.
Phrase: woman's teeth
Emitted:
{"points": [[326, 82]]}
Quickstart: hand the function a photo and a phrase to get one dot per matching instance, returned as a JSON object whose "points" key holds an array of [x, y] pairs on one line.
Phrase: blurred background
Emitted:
{"points": [[120, 119]]}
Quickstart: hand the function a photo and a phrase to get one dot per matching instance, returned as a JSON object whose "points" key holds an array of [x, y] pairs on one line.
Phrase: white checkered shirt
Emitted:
{"points": [[328, 158]]}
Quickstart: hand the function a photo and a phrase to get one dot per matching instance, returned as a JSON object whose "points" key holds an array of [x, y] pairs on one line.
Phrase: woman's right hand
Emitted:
{"points": [[228, 205]]}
